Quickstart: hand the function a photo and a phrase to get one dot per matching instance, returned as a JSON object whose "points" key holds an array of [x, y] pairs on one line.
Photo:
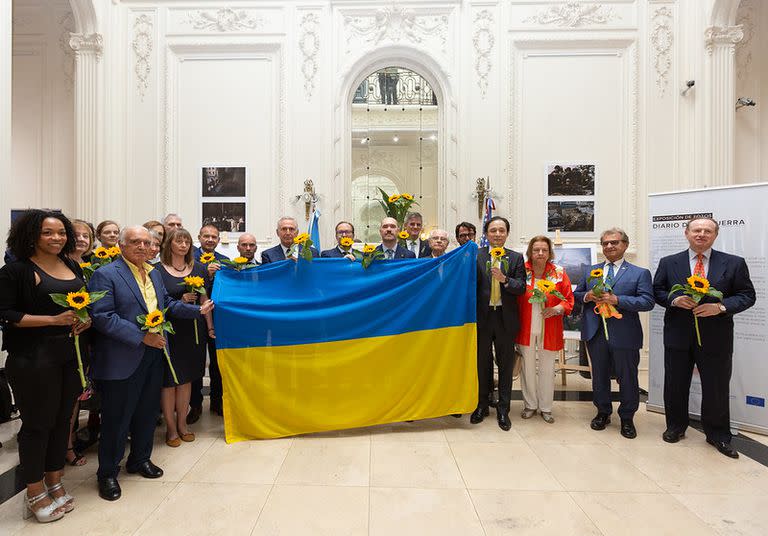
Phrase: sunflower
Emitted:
{"points": [[155, 318], [699, 284], [545, 285], [346, 242], [300, 239], [596, 273], [497, 253], [101, 252], [403, 234], [369, 248], [78, 300], [85, 264], [394, 197], [194, 281], [205, 258], [408, 197], [113, 251], [240, 260]]}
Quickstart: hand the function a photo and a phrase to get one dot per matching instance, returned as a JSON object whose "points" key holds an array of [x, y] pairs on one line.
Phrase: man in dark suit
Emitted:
{"points": [[728, 274], [497, 319], [287, 230], [344, 229], [414, 224], [632, 293], [389, 246], [128, 363], [465, 232]]}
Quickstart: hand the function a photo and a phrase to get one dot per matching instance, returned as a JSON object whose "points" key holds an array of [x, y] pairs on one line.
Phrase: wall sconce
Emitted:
{"points": [[688, 85], [482, 192], [745, 101], [309, 196]]}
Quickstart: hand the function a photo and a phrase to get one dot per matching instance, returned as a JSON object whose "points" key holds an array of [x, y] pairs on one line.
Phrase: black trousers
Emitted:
{"points": [[130, 405], [623, 362], [715, 373], [196, 399], [490, 333], [45, 394]]}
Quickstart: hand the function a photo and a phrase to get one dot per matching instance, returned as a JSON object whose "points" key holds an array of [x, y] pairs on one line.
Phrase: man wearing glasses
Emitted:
{"points": [[465, 232], [344, 229], [631, 293]]}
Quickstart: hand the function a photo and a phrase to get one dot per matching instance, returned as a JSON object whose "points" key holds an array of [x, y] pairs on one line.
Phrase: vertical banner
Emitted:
{"points": [[743, 218]]}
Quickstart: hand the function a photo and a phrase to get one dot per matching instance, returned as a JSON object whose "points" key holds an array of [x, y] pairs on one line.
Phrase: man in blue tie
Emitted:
{"points": [[631, 293], [389, 246]]}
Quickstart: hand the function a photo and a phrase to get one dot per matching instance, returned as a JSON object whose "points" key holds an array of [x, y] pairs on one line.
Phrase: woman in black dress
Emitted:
{"points": [[187, 356], [42, 364]]}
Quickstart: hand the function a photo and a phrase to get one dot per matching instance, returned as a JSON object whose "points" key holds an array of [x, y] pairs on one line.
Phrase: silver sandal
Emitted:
{"points": [[44, 514], [66, 500]]}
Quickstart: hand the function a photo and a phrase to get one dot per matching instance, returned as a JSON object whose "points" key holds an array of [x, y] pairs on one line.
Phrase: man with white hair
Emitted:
{"points": [[170, 222], [287, 230], [438, 242]]}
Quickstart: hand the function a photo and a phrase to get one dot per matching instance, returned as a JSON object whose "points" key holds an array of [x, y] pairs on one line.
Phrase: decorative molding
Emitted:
{"points": [[142, 46], [67, 24], [744, 49], [573, 15], [483, 41], [223, 20], [662, 39], [309, 44], [19, 22], [722, 35], [396, 24], [634, 168], [90, 43]]}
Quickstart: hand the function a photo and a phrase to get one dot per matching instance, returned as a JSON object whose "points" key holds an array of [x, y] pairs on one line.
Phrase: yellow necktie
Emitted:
{"points": [[495, 285]]}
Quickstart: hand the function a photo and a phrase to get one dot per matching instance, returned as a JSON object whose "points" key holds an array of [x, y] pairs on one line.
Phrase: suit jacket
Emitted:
{"points": [[117, 347], [333, 253], [632, 286], [276, 254], [424, 249], [728, 274], [401, 252], [509, 292]]}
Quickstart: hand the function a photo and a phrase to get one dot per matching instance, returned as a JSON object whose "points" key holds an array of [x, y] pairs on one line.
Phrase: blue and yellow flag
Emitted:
{"points": [[307, 347]]}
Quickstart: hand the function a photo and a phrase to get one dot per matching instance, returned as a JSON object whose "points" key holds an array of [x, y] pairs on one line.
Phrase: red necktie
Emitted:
{"points": [[699, 268]]}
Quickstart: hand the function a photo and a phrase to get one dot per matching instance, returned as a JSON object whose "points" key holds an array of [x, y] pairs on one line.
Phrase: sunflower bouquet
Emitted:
{"points": [[239, 263], [402, 236], [396, 205], [604, 310], [155, 322], [101, 256], [302, 247], [346, 244], [696, 287], [497, 260], [370, 254], [193, 283], [79, 302], [542, 289]]}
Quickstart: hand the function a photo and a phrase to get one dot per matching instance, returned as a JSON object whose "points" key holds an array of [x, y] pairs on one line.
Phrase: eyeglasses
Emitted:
{"points": [[343, 233], [466, 235], [611, 242]]}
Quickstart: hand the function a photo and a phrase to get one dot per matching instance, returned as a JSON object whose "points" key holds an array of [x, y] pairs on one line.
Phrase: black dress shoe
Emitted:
{"points": [[194, 415], [724, 447], [109, 489], [503, 418], [216, 408], [600, 421], [147, 470], [457, 415], [671, 436], [628, 429], [478, 415]]}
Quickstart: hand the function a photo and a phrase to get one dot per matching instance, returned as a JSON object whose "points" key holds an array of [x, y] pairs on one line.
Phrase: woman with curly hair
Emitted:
{"points": [[42, 365]]}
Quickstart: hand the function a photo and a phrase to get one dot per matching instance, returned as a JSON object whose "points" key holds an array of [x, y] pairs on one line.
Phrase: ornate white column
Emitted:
{"points": [[721, 106], [6, 57], [88, 142]]}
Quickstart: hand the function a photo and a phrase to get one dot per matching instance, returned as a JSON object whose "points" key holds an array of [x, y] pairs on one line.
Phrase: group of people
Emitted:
{"points": [[131, 365]]}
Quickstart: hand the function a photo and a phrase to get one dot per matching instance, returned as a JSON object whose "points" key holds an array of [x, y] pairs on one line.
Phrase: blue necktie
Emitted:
{"points": [[609, 276]]}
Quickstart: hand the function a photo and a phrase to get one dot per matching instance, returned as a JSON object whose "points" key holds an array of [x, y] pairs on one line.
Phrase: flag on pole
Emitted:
{"points": [[490, 206], [314, 228]]}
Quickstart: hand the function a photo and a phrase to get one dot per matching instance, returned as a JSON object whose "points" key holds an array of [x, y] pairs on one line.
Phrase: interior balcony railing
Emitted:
{"points": [[392, 86]]}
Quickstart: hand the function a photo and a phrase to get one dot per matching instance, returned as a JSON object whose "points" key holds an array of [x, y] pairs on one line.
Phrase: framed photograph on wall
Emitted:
{"points": [[575, 259], [223, 181], [226, 217], [571, 197], [570, 180], [571, 216]]}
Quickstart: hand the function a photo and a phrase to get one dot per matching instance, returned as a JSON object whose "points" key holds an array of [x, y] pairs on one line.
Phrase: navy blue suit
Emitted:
{"points": [[401, 252], [276, 254], [728, 274], [332, 253], [129, 374], [621, 352]]}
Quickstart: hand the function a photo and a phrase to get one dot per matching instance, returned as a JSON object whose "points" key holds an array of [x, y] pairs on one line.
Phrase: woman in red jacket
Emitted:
{"points": [[543, 340]]}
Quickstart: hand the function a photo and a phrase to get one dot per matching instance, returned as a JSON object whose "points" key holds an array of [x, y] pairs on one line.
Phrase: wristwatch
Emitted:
{"points": [[722, 307]]}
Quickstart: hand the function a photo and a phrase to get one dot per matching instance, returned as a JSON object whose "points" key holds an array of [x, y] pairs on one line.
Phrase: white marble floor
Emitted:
{"points": [[442, 476]]}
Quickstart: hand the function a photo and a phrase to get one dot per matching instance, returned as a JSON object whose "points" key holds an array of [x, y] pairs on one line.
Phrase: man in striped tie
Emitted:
{"points": [[713, 358]]}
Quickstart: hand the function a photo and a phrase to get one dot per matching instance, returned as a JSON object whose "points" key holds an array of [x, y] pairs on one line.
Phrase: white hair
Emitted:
{"points": [[125, 230]]}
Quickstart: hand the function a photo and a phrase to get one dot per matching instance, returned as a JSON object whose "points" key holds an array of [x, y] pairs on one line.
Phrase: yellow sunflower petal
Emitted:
{"points": [[698, 283], [155, 318], [597, 272], [205, 258], [393, 198], [368, 248], [409, 197], [78, 300], [403, 234], [240, 260], [497, 252], [346, 242]]}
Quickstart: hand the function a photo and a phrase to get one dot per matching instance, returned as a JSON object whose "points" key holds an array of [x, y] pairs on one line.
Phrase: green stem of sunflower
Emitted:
{"points": [[80, 370], [197, 340], [605, 327], [698, 334], [173, 372]]}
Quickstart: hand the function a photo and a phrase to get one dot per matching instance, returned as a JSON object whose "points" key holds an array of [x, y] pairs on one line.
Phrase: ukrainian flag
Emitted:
{"points": [[308, 347]]}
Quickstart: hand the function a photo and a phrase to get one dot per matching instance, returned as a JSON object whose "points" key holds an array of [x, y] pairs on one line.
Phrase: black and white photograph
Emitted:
{"points": [[570, 179], [223, 181], [229, 217], [571, 216]]}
